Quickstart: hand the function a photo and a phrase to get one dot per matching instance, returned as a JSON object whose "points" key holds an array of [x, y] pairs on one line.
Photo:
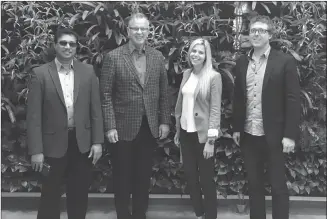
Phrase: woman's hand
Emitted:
{"points": [[176, 138], [209, 148]]}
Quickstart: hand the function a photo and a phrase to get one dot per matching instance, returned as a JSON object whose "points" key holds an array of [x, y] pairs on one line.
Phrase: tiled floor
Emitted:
{"points": [[151, 215], [103, 208], [159, 211]]}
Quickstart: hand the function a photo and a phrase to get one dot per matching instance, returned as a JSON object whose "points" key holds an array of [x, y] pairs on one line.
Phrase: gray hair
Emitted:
{"points": [[137, 15]]}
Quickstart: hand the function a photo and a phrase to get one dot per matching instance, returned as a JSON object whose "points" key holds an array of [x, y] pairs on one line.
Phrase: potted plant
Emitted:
{"points": [[241, 204]]}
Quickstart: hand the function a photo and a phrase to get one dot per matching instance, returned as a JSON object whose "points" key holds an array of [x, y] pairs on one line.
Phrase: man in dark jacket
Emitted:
{"points": [[64, 127], [266, 116]]}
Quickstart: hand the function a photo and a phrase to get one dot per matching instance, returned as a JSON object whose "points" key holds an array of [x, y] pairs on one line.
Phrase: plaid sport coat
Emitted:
{"points": [[123, 97]]}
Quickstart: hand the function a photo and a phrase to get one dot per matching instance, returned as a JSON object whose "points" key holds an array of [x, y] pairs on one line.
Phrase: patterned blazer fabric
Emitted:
{"points": [[123, 97]]}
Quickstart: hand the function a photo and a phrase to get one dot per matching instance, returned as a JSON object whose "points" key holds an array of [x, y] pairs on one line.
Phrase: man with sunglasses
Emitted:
{"points": [[266, 117], [64, 127], [133, 86]]}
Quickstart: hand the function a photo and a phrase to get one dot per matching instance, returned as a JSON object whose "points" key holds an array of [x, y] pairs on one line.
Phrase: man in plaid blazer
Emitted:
{"points": [[135, 107]]}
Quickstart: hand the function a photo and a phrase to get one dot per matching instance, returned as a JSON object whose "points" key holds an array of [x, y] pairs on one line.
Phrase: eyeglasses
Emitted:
{"points": [[143, 29], [259, 30], [71, 44]]}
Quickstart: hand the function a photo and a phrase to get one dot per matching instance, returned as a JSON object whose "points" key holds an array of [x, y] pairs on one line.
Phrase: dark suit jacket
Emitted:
{"points": [[47, 130], [123, 96], [280, 97]]}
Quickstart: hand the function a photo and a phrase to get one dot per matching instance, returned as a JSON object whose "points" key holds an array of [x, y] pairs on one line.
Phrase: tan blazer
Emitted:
{"points": [[206, 111]]}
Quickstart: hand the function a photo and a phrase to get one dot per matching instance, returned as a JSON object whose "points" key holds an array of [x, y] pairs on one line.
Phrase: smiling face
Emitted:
{"points": [[259, 35], [66, 47], [138, 31], [197, 55]]}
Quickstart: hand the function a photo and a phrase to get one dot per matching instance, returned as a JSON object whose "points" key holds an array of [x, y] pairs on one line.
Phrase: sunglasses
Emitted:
{"points": [[135, 29], [71, 44], [259, 30]]}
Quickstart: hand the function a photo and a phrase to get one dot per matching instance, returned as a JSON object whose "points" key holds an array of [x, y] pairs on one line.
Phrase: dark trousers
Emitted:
{"points": [[256, 152], [199, 173], [78, 169], [132, 169]]}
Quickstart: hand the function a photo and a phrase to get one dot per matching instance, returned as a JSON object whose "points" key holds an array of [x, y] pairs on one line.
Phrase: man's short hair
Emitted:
{"points": [[263, 19], [137, 15], [64, 31]]}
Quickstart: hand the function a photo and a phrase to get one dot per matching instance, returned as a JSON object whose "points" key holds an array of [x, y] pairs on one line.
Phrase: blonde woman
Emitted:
{"points": [[197, 115]]}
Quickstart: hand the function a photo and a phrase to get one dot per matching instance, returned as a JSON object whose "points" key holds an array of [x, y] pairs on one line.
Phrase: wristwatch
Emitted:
{"points": [[211, 141]]}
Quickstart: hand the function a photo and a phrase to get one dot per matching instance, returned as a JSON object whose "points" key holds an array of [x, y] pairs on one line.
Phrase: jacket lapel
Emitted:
{"points": [[77, 68], [196, 92], [244, 73], [55, 78], [149, 64], [270, 66], [129, 63], [179, 102], [186, 76]]}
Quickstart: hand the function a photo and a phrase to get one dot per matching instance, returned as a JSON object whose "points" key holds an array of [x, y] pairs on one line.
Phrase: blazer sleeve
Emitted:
{"points": [[96, 112], [164, 109], [107, 78], [292, 99], [215, 102], [34, 115], [238, 101], [178, 110]]}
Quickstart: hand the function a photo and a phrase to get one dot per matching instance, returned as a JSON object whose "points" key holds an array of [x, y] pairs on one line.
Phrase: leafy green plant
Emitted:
{"points": [[304, 38]]}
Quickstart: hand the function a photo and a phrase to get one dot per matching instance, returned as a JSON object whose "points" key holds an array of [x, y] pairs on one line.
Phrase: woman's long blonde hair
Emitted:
{"points": [[207, 72]]}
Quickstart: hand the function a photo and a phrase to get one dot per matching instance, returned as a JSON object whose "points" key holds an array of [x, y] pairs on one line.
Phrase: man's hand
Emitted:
{"points": [[208, 150], [96, 152], [37, 162], [236, 138], [163, 131], [112, 135], [176, 138], [288, 145]]}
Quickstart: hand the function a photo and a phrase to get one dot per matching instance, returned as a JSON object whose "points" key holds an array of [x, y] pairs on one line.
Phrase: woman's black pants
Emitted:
{"points": [[199, 173]]}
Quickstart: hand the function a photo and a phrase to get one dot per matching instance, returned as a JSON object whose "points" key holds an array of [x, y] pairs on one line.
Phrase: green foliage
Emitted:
{"points": [[301, 32], [27, 35]]}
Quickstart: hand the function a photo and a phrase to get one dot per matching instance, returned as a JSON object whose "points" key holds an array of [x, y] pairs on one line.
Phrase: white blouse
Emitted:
{"points": [[187, 117]]}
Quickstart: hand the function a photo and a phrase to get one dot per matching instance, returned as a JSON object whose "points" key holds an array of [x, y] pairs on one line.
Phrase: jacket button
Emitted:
{"points": [[196, 114]]}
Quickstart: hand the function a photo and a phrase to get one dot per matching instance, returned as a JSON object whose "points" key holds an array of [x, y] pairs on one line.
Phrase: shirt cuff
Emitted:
{"points": [[213, 133]]}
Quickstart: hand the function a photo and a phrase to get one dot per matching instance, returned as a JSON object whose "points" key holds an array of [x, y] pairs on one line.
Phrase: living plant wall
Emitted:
{"points": [[26, 42]]}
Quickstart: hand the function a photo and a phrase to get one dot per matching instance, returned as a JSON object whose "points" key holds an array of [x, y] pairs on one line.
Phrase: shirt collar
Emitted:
{"points": [[132, 48], [59, 65], [264, 55]]}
